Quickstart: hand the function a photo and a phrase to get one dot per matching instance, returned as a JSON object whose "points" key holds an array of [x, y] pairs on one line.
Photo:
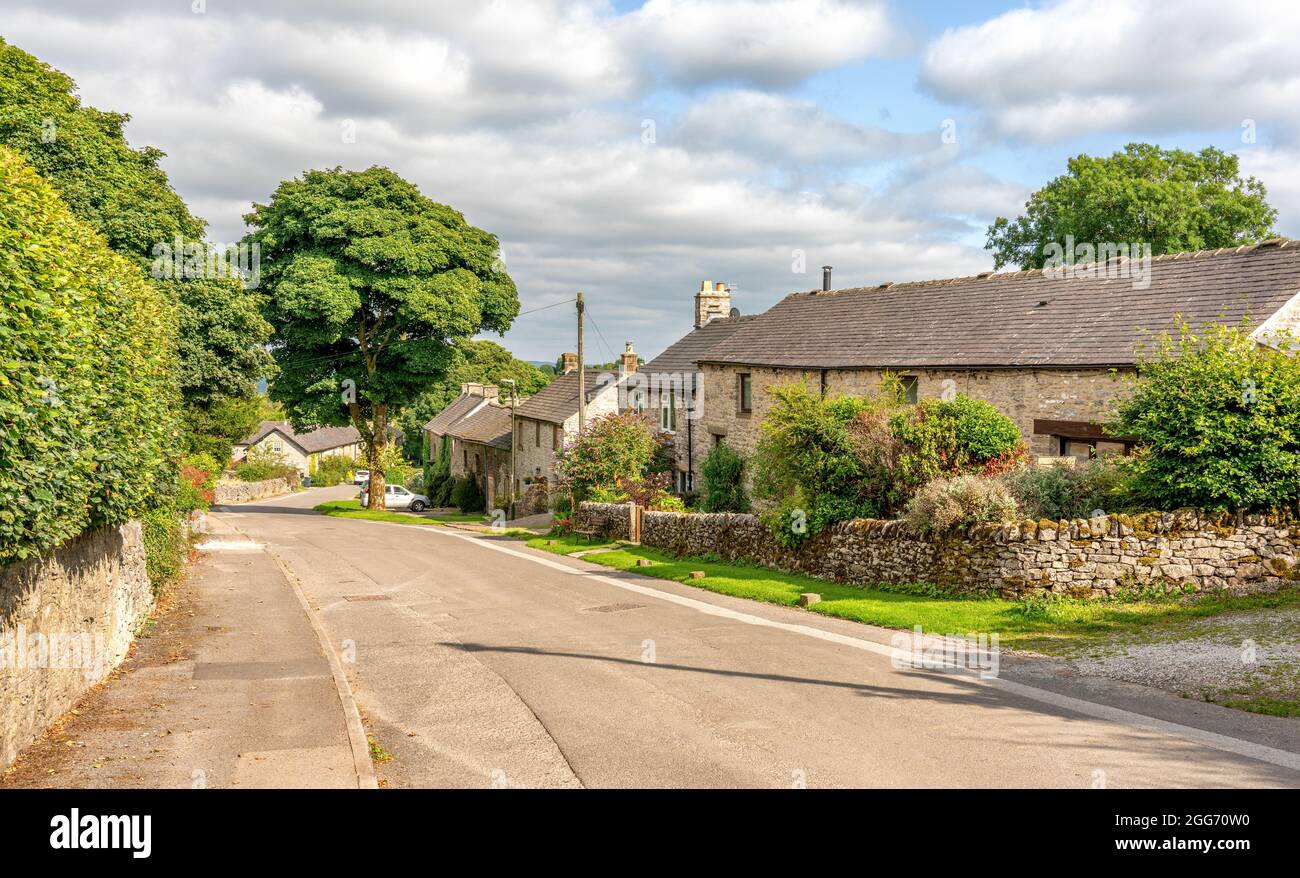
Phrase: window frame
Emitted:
{"points": [[744, 382]]}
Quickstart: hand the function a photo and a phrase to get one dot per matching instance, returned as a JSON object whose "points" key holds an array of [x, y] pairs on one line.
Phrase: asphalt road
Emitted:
{"points": [[478, 662]]}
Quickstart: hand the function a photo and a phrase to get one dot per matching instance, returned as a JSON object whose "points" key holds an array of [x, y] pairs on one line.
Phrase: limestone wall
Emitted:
{"points": [[234, 492], [65, 623], [1084, 557]]}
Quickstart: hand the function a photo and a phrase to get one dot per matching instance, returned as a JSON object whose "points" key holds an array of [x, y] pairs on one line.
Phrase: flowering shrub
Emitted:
{"points": [[953, 504], [613, 452]]}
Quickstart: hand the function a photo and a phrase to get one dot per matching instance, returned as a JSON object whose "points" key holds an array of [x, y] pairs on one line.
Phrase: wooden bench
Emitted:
{"points": [[588, 531]]}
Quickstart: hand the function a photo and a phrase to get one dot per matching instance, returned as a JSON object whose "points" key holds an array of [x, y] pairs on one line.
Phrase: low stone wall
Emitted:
{"points": [[65, 623], [1084, 557], [235, 492]]}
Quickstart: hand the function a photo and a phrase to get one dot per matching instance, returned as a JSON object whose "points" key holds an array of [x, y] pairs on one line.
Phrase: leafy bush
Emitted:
{"points": [[949, 437], [87, 375], [466, 495], [333, 469], [165, 545], [614, 447], [952, 504], [1218, 415], [262, 463], [1058, 492], [724, 489]]}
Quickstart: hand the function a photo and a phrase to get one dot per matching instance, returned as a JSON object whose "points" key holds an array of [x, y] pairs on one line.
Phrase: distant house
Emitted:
{"points": [[1050, 352], [480, 447], [675, 387], [301, 450]]}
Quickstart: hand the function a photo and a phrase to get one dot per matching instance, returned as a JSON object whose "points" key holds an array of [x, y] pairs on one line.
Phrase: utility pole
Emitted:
{"points": [[514, 399], [582, 373]]}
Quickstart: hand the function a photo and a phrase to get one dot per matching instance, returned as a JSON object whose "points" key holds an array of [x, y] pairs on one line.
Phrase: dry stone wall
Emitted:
{"points": [[1084, 557], [234, 492], [66, 622]]}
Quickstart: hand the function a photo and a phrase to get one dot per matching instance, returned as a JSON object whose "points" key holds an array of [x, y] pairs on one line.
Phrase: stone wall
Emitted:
{"points": [[65, 623], [235, 492], [1083, 558], [1021, 394]]}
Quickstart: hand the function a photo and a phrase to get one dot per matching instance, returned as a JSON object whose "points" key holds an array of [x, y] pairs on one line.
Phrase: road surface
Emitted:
{"points": [[478, 662]]}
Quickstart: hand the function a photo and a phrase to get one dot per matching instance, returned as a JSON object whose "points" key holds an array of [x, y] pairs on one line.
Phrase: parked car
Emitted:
{"points": [[361, 477], [397, 497]]}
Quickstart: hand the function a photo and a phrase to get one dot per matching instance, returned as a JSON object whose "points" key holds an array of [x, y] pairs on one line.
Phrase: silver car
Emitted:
{"points": [[361, 477], [397, 497]]}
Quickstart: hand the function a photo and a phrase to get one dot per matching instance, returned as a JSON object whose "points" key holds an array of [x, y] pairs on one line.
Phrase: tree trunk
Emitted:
{"points": [[375, 457]]}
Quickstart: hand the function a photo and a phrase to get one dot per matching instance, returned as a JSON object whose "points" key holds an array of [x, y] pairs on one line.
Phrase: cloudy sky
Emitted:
{"points": [[632, 149]]}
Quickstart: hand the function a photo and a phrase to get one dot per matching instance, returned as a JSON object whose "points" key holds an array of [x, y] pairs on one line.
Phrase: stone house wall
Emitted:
{"points": [[82, 604], [1021, 394], [1083, 558]]}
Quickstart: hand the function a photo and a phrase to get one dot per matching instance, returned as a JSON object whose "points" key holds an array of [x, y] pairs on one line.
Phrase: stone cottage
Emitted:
{"points": [[472, 398], [1050, 350], [547, 420], [303, 451], [480, 448], [674, 385]]}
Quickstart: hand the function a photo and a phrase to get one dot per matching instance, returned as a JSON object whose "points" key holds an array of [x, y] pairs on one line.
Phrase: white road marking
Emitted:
{"points": [[1226, 743]]}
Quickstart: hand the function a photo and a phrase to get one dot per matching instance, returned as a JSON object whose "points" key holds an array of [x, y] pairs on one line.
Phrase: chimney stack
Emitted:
{"points": [[712, 301], [487, 391], [826, 277], [570, 362], [628, 360]]}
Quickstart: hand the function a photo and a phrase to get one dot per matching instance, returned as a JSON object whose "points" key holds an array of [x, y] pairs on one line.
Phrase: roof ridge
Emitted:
{"points": [[1280, 243]]}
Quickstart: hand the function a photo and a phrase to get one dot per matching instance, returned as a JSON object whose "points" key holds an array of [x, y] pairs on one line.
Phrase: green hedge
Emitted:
{"points": [[87, 357]]}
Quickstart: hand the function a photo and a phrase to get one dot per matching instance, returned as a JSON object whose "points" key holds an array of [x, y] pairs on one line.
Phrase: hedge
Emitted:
{"points": [[87, 357]]}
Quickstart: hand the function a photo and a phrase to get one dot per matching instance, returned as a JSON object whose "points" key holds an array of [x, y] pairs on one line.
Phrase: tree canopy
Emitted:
{"points": [[371, 287], [474, 361], [1172, 199], [124, 196]]}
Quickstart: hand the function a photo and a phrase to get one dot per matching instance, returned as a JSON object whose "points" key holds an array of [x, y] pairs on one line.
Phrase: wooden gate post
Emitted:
{"points": [[634, 524]]}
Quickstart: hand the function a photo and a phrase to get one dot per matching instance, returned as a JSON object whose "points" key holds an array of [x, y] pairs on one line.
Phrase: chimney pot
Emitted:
{"points": [[826, 277], [629, 360]]}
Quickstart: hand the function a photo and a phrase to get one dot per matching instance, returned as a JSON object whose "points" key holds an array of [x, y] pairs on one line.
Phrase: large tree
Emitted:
{"points": [[123, 194], [371, 286], [1171, 199], [477, 360]]}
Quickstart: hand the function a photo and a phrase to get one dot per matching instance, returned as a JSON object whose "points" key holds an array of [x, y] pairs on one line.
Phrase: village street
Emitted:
{"points": [[478, 662]]}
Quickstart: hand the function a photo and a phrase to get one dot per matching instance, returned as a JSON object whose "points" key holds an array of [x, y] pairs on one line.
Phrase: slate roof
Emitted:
{"points": [[683, 354], [489, 425], [558, 401], [452, 413], [320, 439], [1015, 319]]}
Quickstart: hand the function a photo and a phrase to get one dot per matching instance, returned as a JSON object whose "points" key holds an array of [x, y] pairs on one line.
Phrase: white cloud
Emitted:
{"points": [[1083, 66], [779, 129], [768, 43]]}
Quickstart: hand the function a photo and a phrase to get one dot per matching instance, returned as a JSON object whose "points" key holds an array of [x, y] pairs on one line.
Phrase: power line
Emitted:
{"points": [[601, 335]]}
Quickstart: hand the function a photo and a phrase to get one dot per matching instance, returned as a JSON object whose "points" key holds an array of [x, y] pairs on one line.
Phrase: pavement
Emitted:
{"points": [[232, 687], [477, 662]]}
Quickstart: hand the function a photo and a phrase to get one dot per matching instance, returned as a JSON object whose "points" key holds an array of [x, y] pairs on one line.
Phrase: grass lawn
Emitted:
{"points": [[566, 544], [352, 509], [1038, 626]]}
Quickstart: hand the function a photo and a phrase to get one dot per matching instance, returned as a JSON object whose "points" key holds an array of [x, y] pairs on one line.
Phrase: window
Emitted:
{"points": [[668, 412], [746, 392], [537, 434], [911, 385]]}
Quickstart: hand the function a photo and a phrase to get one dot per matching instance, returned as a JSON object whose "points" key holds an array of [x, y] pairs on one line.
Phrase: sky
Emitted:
{"points": [[633, 149]]}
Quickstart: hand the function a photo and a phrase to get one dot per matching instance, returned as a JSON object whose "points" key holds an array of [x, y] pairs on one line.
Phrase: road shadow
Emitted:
{"points": [[274, 510]]}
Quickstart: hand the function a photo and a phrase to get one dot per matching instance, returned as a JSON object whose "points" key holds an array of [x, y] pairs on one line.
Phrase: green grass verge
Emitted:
{"points": [[1269, 706], [565, 544], [352, 509], [1052, 626]]}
